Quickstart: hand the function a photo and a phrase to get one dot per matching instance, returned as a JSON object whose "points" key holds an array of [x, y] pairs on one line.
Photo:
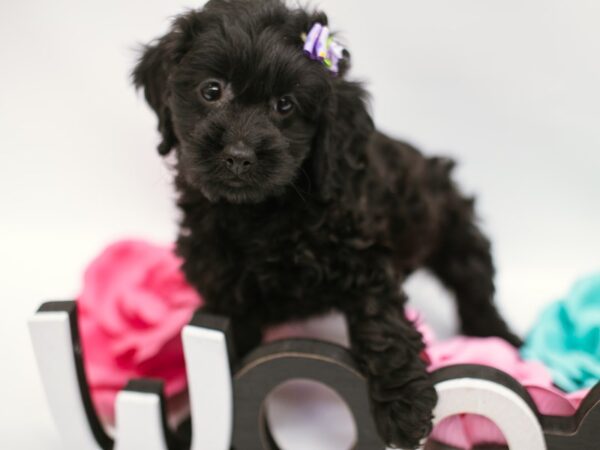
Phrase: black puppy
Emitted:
{"points": [[294, 205]]}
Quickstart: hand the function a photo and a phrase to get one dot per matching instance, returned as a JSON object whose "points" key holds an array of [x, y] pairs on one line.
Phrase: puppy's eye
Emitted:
{"points": [[284, 105], [212, 91]]}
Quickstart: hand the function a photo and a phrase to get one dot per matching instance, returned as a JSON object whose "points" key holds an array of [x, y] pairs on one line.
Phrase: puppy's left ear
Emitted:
{"points": [[344, 126], [153, 69], [340, 147]]}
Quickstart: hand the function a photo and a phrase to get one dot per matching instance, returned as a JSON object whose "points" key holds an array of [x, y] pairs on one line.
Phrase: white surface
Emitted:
{"points": [[51, 340], [139, 422], [508, 87], [507, 410], [211, 396], [331, 425]]}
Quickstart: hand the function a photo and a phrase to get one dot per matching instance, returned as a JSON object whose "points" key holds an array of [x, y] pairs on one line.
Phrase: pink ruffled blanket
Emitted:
{"points": [[467, 430], [135, 301]]}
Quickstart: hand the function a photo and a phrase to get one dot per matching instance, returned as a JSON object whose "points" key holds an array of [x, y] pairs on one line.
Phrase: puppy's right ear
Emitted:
{"points": [[155, 66]]}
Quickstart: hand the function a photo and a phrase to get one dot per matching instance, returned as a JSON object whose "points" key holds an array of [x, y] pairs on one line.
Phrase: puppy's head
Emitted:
{"points": [[240, 103]]}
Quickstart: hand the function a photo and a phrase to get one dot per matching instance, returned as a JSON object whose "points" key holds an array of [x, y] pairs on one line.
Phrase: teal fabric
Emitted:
{"points": [[566, 337]]}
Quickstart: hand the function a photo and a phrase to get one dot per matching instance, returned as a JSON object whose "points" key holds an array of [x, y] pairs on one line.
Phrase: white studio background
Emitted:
{"points": [[508, 87]]}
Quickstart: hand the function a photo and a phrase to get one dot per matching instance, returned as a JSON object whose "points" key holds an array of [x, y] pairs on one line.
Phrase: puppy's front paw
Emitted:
{"points": [[403, 415]]}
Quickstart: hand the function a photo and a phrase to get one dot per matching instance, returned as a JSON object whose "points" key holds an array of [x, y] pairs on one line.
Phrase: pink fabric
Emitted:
{"points": [[468, 430], [134, 303]]}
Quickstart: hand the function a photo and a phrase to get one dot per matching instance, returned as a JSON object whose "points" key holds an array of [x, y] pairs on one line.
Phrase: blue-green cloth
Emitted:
{"points": [[566, 337]]}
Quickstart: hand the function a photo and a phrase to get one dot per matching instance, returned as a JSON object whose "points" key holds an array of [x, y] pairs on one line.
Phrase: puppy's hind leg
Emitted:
{"points": [[463, 262]]}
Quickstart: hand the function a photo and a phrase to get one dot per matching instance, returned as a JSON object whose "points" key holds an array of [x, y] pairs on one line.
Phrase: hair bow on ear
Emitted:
{"points": [[319, 45]]}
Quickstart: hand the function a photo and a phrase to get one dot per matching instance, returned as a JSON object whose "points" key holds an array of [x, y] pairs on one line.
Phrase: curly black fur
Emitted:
{"points": [[331, 213]]}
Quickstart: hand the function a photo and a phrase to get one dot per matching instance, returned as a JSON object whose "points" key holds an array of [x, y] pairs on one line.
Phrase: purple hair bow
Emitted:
{"points": [[319, 45]]}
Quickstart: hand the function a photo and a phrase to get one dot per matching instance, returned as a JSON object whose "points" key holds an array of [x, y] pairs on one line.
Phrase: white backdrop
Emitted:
{"points": [[509, 87]]}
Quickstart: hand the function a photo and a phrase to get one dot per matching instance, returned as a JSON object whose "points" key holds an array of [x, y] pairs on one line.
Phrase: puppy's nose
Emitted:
{"points": [[239, 158]]}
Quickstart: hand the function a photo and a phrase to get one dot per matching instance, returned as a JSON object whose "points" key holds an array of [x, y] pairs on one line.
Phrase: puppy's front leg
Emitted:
{"points": [[389, 350]]}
